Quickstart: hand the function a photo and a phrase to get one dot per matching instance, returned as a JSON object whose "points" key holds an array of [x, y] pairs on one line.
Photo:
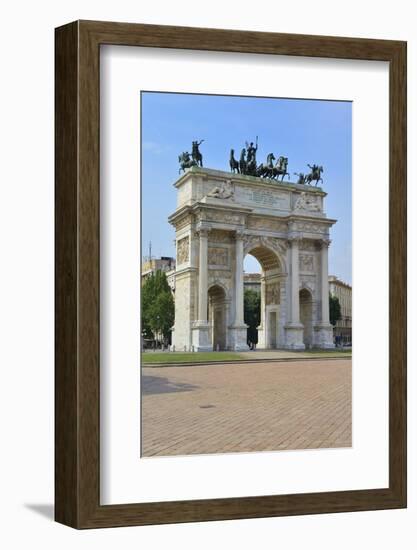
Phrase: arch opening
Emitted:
{"points": [[217, 314], [267, 333], [306, 316]]}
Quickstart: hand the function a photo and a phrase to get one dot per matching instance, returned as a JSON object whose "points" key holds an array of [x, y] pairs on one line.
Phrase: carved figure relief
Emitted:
{"points": [[223, 191], [272, 294], [306, 262], [218, 256], [307, 202], [183, 250]]}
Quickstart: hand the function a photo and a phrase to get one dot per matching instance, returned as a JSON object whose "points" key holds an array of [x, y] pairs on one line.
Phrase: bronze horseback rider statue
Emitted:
{"points": [[195, 159], [315, 174], [185, 161], [196, 154], [301, 178]]}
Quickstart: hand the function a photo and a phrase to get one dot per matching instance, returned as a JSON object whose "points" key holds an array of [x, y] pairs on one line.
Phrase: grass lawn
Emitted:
{"points": [[201, 357], [178, 357]]}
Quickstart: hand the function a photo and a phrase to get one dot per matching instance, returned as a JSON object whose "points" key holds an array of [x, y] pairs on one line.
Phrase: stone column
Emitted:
{"points": [[323, 331], [202, 277], [239, 317], [238, 331], [295, 283], [294, 330], [200, 328], [325, 282]]}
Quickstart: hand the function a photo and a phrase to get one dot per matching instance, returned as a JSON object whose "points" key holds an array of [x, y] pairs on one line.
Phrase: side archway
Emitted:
{"points": [[306, 316], [217, 316]]}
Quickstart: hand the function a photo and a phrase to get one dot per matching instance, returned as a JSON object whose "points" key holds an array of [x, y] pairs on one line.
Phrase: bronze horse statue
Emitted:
{"points": [[280, 169], [265, 170], [242, 161], [234, 164]]}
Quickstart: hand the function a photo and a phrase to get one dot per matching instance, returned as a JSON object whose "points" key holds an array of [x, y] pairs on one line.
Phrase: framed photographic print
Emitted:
{"points": [[230, 274]]}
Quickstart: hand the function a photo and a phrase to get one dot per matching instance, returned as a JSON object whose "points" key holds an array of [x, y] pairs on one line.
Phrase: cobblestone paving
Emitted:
{"points": [[246, 407]]}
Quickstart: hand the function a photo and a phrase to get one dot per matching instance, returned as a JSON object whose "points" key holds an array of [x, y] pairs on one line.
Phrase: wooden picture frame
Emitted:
{"points": [[77, 405]]}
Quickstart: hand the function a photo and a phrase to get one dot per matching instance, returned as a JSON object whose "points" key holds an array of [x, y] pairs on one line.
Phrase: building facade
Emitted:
{"points": [[252, 281], [343, 291], [221, 217], [164, 263]]}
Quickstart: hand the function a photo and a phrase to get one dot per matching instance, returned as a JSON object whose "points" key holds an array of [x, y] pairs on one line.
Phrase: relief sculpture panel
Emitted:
{"points": [[272, 295], [306, 262], [218, 256], [183, 250]]}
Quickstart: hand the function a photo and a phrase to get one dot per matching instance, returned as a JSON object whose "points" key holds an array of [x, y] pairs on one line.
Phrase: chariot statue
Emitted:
{"points": [[251, 158]]}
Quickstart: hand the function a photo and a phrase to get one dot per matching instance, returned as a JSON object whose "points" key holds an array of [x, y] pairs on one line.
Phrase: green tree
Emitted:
{"points": [[157, 306], [335, 312], [252, 313]]}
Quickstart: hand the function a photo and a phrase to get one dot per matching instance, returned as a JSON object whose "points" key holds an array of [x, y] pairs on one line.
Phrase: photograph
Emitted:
{"points": [[246, 274]]}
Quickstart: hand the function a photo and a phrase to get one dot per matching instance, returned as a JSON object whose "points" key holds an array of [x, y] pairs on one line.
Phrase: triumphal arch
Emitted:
{"points": [[221, 217]]}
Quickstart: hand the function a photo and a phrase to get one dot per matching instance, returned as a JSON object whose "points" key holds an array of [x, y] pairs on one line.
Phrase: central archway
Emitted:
{"points": [[217, 316], [270, 327]]}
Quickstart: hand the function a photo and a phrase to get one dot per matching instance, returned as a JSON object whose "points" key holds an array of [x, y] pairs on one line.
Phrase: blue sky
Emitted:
{"points": [[305, 131]]}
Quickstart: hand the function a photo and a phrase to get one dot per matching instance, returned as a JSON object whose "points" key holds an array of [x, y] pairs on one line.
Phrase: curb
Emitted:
{"points": [[241, 361]]}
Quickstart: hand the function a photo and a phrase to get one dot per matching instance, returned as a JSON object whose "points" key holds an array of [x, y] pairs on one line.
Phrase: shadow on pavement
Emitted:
{"points": [[156, 384]]}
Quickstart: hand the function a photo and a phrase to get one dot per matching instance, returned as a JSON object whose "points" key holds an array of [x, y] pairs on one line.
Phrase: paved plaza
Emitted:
{"points": [[246, 407]]}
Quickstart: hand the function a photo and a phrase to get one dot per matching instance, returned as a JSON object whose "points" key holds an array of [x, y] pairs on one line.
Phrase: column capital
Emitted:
{"points": [[325, 243], [294, 239], [203, 230], [239, 234]]}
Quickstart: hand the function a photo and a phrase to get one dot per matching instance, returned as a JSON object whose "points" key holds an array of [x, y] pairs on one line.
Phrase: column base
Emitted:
{"points": [[238, 338], [294, 334], [323, 336], [200, 336]]}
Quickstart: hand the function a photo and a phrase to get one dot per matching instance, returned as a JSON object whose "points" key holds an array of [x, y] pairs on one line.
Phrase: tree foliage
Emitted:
{"points": [[158, 308], [252, 313], [335, 312]]}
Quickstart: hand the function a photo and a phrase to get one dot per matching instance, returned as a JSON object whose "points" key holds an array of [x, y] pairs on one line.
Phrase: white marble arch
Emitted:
{"points": [[220, 217]]}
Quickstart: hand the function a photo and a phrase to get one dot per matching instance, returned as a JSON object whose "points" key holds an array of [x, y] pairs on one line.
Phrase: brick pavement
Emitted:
{"points": [[246, 407]]}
